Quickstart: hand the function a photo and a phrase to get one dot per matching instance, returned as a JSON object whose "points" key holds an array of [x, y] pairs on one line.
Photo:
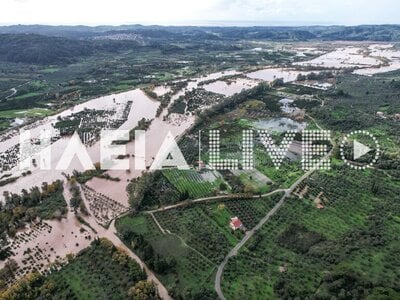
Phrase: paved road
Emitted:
{"points": [[13, 92], [111, 234], [221, 197], [250, 233]]}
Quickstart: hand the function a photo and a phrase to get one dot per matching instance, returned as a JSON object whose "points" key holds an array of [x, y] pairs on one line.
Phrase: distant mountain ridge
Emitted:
{"points": [[42, 44], [350, 33]]}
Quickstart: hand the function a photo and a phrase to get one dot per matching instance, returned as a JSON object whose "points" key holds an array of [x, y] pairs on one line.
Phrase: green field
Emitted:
{"points": [[196, 239], [190, 271], [191, 182], [344, 249], [21, 113], [285, 176]]}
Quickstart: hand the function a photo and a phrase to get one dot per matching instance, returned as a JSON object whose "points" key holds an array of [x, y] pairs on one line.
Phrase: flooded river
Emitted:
{"points": [[142, 107]]}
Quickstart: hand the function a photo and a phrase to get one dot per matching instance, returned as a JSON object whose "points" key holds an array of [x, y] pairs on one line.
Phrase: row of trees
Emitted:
{"points": [[152, 190], [161, 265], [76, 201]]}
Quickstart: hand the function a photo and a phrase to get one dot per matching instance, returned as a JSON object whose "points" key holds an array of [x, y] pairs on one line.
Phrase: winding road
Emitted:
{"points": [[111, 234], [13, 92], [249, 234]]}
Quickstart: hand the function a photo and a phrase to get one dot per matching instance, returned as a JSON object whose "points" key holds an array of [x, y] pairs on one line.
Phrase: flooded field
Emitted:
{"points": [[161, 90], [366, 59], [316, 84], [58, 238], [279, 125], [229, 88], [40, 244], [346, 57], [388, 53], [270, 74], [142, 107], [287, 105]]}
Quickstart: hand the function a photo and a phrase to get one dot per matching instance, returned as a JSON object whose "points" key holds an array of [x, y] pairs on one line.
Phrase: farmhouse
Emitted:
{"points": [[236, 223]]}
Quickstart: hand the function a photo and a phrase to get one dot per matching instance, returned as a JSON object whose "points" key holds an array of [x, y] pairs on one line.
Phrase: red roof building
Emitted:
{"points": [[235, 223]]}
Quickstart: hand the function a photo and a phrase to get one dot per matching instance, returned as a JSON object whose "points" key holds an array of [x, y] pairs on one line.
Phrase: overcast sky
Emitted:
{"points": [[200, 12]]}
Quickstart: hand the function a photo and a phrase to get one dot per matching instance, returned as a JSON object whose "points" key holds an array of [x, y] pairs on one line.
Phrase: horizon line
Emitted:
{"points": [[203, 24]]}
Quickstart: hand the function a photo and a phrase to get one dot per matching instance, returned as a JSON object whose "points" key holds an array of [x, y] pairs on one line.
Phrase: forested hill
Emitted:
{"points": [[39, 44], [350, 33], [32, 48], [41, 49]]}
